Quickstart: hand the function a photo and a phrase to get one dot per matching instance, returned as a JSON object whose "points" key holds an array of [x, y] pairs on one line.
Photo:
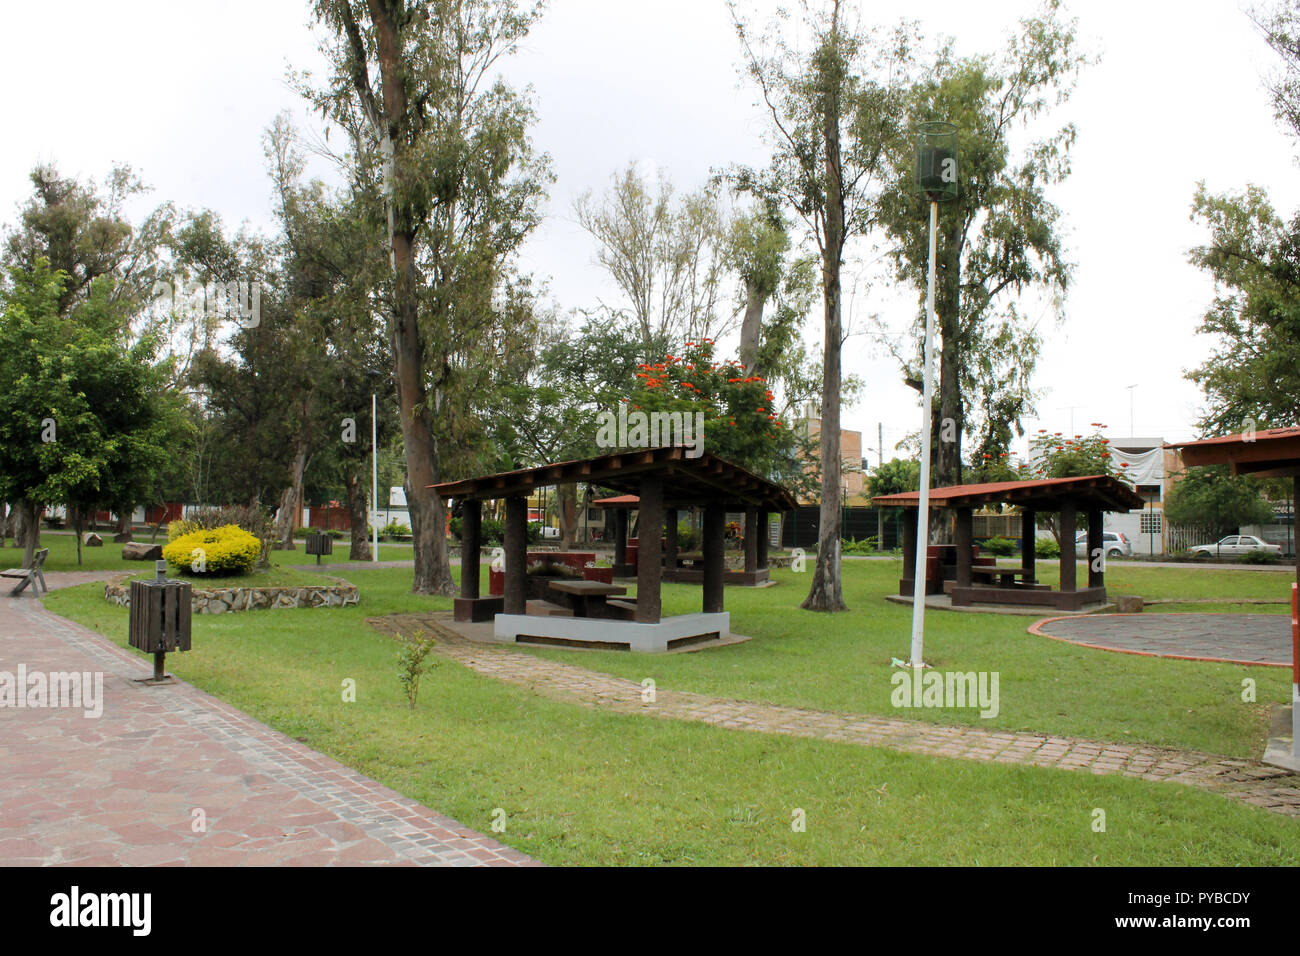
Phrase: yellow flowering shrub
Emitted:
{"points": [[216, 551]]}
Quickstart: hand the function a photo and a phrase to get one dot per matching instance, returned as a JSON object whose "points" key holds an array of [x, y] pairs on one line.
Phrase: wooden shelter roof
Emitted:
{"points": [[1044, 494], [687, 481], [1268, 453]]}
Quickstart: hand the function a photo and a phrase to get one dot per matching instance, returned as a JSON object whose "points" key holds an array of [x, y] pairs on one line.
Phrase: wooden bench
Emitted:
{"points": [[1006, 576], [30, 575]]}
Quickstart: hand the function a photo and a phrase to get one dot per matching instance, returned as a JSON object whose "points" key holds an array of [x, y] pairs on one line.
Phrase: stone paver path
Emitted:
{"points": [[123, 788], [1232, 638], [1245, 780]]}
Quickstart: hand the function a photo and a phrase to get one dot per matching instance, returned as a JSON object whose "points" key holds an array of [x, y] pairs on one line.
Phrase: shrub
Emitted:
{"points": [[1259, 557], [181, 526], [394, 530], [550, 569], [227, 550], [492, 531], [999, 546], [534, 532], [1047, 548], [858, 546], [687, 540], [335, 533]]}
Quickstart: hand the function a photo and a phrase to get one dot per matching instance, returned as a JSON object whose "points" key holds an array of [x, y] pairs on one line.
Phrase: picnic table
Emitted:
{"points": [[587, 598], [1006, 576]]}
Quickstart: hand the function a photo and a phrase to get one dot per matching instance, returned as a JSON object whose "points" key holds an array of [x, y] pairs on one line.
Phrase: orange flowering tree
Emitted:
{"points": [[741, 422], [1055, 455]]}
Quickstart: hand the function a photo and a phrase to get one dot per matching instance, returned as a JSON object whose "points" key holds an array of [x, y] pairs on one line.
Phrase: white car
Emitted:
{"points": [[1115, 543], [1234, 546], [548, 532]]}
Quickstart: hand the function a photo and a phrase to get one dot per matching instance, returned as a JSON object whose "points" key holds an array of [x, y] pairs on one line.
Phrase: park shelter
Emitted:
{"points": [[1091, 495], [754, 574], [1264, 453], [664, 480]]}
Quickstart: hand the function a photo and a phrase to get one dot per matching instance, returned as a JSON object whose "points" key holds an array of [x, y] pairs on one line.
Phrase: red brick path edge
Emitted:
{"points": [[132, 786], [1245, 780]]}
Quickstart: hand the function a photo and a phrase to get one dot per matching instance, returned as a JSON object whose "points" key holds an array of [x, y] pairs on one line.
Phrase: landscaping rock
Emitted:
{"points": [[92, 540], [139, 551], [122, 537], [1128, 604]]}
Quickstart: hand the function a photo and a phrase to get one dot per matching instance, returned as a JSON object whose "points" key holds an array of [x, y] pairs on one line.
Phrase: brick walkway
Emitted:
{"points": [[122, 788], [1244, 780], [1230, 638]]}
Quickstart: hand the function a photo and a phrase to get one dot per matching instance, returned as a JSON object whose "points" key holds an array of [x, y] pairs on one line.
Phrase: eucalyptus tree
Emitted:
{"points": [[665, 252], [833, 114], [461, 190], [1000, 237]]}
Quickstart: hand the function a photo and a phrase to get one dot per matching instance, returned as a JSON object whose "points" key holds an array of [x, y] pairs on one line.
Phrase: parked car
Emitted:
{"points": [[1115, 543], [1234, 546], [548, 532]]}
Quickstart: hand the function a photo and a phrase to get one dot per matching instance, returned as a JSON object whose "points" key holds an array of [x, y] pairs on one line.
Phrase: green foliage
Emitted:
{"points": [[1000, 237], [688, 538], [1058, 456], [394, 529], [413, 663], [1253, 373], [1000, 547], [1260, 557], [492, 531], [1214, 501], [215, 552], [740, 424], [858, 546], [894, 477], [1047, 548]]}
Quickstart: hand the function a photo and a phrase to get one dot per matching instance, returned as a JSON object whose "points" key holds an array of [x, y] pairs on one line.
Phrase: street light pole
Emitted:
{"points": [[936, 179], [374, 475], [923, 504]]}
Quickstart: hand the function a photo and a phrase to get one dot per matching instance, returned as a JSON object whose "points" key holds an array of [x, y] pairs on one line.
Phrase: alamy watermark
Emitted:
{"points": [[238, 301], [946, 689], [39, 689], [639, 429]]}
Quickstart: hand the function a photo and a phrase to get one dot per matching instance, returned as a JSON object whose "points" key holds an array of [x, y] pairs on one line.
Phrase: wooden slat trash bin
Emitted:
{"points": [[160, 618], [319, 544]]}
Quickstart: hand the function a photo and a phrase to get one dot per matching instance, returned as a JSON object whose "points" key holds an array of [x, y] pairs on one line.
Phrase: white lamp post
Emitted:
{"points": [[936, 179]]}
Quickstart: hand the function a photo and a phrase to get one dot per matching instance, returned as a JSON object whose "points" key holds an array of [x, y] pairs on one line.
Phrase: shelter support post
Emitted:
{"points": [[516, 555], [963, 538], [1068, 568], [471, 523], [650, 523], [1028, 540], [761, 540], [670, 538], [1096, 551], [751, 540], [909, 543], [713, 557]]}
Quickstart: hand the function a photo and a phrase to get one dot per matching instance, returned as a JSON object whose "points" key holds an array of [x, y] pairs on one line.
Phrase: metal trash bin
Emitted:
{"points": [[319, 544], [160, 618]]}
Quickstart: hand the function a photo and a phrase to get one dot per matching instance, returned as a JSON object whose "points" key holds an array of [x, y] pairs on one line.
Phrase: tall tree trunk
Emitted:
{"points": [[357, 512], [751, 327], [29, 521], [568, 514], [826, 593], [291, 499], [77, 522], [124, 520], [428, 517], [947, 440]]}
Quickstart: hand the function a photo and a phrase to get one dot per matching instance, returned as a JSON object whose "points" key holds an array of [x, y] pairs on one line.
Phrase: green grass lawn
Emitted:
{"points": [[584, 786]]}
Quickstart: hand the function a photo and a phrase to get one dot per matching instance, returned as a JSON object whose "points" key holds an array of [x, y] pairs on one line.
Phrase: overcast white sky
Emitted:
{"points": [[183, 92]]}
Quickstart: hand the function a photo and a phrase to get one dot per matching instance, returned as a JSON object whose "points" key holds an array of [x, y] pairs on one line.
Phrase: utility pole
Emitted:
{"points": [[1131, 433]]}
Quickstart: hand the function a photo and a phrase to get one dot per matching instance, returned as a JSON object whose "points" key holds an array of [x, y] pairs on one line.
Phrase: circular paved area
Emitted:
{"points": [[1233, 638]]}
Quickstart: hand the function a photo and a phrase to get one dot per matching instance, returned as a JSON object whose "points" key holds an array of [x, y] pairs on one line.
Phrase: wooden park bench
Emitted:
{"points": [[30, 575], [1006, 576]]}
